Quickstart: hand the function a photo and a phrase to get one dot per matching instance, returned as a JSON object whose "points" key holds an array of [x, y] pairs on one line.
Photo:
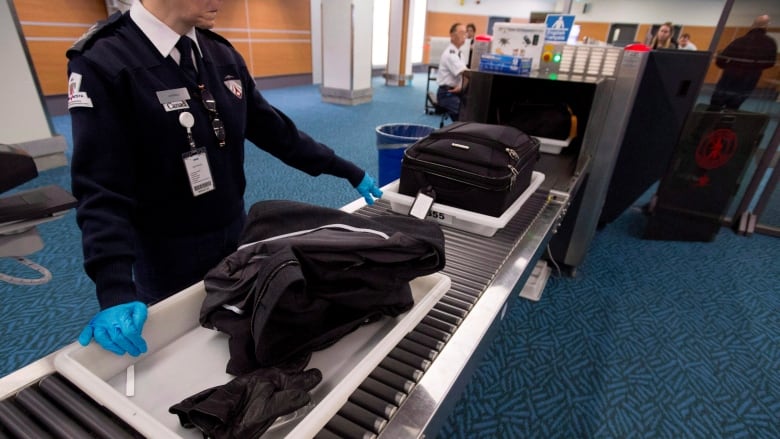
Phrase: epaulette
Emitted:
{"points": [[93, 32], [214, 36]]}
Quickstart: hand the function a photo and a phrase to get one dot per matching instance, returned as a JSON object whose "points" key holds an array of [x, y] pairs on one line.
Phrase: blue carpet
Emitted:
{"points": [[651, 339]]}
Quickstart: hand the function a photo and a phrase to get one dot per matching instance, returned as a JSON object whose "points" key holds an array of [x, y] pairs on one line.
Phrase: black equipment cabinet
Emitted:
{"points": [[667, 92], [704, 175]]}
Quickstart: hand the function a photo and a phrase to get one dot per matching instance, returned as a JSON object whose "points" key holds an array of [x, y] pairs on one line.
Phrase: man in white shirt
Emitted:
{"points": [[450, 74], [685, 42]]}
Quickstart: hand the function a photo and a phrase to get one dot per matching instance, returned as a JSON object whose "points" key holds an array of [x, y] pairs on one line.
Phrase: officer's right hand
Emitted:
{"points": [[118, 329]]}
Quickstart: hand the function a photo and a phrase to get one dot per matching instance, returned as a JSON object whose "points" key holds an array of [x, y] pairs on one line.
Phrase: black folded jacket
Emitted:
{"points": [[307, 275], [248, 405]]}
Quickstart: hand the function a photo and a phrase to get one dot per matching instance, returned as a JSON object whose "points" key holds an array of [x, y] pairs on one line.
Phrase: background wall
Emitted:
{"points": [[691, 12], [282, 37], [23, 118], [274, 36], [503, 8], [697, 17]]}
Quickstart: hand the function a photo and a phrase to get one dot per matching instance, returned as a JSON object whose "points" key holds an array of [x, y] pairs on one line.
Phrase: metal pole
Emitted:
{"points": [[770, 186], [721, 24]]}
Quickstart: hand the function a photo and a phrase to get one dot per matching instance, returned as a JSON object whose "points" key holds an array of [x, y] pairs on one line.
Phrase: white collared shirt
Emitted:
{"points": [[161, 36], [451, 65]]}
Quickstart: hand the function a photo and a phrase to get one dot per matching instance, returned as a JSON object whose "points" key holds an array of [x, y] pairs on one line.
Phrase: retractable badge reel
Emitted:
{"points": [[195, 160]]}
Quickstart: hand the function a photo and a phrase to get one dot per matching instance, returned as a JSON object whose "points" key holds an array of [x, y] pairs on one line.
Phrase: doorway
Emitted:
{"points": [[622, 34]]}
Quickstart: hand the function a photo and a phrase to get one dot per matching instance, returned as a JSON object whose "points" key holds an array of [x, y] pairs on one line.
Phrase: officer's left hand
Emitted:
{"points": [[118, 329], [368, 189]]}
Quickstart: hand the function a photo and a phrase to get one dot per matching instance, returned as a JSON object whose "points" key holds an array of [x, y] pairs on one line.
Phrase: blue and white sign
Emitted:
{"points": [[558, 27]]}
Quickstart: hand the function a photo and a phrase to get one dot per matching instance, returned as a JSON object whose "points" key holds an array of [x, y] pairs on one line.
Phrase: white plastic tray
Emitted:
{"points": [[552, 146], [462, 219], [184, 358]]}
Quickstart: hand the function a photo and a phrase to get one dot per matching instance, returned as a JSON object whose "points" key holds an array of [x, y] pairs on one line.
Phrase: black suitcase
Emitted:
{"points": [[473, 166]]}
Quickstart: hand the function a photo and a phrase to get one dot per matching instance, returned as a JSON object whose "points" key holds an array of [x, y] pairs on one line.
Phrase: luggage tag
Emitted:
{"points": [[423, 202], [195, 160]]}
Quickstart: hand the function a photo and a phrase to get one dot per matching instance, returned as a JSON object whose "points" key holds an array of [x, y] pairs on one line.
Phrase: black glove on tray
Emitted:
{"points": [[249, 404]]}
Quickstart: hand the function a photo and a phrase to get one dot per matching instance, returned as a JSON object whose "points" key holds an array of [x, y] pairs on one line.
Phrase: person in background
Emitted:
{"points": [[450, 74], [663, 37], [684, 43], [471, 33], [743, 61], [161, 108]]}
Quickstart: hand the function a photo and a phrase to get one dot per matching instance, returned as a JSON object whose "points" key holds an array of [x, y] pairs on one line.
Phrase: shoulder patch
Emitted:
{"points": [[214, 36], [91, 33]]}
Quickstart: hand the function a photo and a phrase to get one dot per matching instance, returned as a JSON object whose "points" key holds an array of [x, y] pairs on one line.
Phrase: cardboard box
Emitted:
{"points": [[505, 64], [519, 39]]}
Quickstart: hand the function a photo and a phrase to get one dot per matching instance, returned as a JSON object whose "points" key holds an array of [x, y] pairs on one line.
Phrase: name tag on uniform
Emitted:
{"points": [[198, 171], [174, 99], [79, 99], [178, 105]]}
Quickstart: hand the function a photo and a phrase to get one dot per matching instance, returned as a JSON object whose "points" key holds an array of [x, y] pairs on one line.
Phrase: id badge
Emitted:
{"points": [[198, 171]]}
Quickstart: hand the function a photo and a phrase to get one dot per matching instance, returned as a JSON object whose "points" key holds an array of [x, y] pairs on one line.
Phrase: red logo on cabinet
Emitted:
{"points": [[716, 148]]}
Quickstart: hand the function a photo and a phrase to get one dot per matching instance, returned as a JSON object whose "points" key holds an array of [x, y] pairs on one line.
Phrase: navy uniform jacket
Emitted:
{"points": [[128, 173]]}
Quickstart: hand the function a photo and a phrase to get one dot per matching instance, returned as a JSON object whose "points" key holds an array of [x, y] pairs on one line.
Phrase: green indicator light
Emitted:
{"points": [[557, 57]]}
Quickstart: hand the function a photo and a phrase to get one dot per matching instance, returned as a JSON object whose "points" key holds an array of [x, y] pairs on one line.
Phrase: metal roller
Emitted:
{"points": [[373, 403], [345, 428], [51, 416], [83, 409], [21, 426]]}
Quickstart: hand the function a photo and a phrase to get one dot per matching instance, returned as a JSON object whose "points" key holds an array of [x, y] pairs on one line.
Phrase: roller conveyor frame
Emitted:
{"points": [[428, 404], [411, 387]]}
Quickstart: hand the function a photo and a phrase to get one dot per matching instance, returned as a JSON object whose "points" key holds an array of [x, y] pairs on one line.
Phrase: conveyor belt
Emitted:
{"points": [[472, 262], [53, 407]]}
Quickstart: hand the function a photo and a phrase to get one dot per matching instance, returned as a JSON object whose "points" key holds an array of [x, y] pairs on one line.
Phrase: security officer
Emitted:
{"points": [[160, 108], [449, 77]]}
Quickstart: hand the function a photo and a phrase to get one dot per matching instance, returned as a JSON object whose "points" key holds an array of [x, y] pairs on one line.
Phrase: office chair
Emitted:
{"points": [[435, 108], [431, 106], [21, 212]]}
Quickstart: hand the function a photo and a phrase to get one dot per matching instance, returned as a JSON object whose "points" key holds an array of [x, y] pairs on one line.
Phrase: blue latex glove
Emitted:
{"points": [[118, 329], [368, 189]]}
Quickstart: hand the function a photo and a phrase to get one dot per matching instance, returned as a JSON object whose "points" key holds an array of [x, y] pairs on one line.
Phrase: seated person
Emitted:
{"points": [[685, 42], [663, 38], [450, 74]]}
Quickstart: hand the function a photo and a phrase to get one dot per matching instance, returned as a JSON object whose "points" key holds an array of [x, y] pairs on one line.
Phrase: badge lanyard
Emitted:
{"points": [[195, 160]]}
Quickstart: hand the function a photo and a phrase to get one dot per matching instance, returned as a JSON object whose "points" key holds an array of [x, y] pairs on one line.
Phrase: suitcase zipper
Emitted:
{"points": [[492, 143], [516, 157], [514, 175], [488, 183], [495, 144]]}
